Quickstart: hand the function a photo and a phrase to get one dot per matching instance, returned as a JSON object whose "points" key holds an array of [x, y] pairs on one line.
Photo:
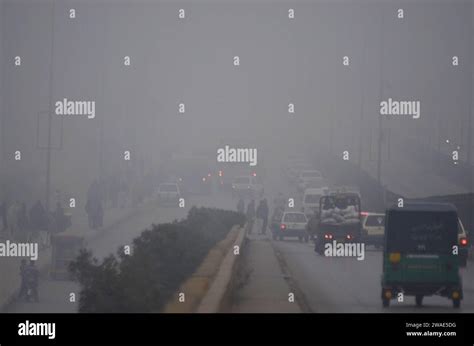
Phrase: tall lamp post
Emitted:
{"points": [[51, 106]]}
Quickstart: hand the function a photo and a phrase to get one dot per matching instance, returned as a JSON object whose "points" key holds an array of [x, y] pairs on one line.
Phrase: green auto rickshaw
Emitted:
{"points": [[420, 255]]}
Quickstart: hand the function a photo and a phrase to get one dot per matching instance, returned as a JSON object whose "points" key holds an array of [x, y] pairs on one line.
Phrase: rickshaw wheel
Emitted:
{"points": [[419, 300], [456, 303]]}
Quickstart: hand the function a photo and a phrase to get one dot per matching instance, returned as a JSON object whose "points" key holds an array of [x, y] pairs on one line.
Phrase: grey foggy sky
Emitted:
{"points": [[190, 61]]}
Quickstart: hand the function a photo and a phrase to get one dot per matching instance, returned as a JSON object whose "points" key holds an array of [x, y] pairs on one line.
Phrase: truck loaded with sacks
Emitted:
{"points": [[339, 219]]}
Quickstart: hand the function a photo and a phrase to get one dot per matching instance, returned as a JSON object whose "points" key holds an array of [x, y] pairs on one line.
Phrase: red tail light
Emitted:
{"points": [[364, 213], [464, 241], [349, 237], [220, 173], [328, 236], [209, 175], [282, 226], [254, 174]]}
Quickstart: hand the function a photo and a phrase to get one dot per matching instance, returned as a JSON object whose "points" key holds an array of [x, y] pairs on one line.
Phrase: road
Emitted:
{"points": [[349, 285], [330, 285], [323, 285]]}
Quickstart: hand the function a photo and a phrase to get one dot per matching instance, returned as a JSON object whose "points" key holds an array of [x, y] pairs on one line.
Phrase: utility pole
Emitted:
{"points": [[380, 136], [2, 103], [362, 100], [469, 122], [103, 89], [470, 90], [48, 149]]}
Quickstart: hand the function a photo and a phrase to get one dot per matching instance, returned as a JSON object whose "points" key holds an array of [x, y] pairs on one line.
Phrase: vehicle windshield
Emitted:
{"points": [[242, 180], [421, 231], [375, 220], [168, 188], [294, 217], [333, 202], [314, 199]]}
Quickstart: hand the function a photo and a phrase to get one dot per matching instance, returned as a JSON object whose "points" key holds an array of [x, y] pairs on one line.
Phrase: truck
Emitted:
{"points": [[339, 219]]}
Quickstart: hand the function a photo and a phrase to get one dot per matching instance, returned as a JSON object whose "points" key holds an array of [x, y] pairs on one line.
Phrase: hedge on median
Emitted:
{"points": [[161, 259]]}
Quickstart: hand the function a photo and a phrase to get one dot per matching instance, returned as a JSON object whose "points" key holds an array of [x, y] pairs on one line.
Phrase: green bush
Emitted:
{"points": [[161, 259]]}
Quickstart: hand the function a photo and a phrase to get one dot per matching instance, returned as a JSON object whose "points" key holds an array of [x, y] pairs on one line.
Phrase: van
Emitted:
{"points": [[311, 199]]}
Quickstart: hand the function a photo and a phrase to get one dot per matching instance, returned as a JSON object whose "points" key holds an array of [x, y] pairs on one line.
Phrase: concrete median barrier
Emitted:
{"points": [[209, 286]]}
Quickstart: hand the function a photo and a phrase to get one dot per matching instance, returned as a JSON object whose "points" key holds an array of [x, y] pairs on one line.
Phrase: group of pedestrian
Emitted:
{"points": [[35, 224], [252, 214]]}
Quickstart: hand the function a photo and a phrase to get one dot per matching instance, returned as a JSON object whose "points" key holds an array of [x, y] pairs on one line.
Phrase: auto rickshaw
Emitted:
{"points": [[420, 255]]}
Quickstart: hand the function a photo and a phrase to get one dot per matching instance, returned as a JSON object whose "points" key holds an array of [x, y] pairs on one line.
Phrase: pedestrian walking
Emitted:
{"points": [[250, 216], [262, 214]]}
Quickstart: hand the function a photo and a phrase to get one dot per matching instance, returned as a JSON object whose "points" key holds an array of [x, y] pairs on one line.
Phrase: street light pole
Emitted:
{"points": [[48, 149], [362, 100], [380, 136]]}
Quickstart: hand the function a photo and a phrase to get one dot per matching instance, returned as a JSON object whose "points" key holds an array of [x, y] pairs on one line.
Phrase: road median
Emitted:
{"points": [[207, 289]]}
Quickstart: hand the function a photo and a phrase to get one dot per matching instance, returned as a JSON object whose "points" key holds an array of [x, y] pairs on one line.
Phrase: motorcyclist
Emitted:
{"points": [[31, 281]]}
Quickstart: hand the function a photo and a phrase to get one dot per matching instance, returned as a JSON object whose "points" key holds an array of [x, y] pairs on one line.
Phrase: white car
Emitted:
{"points": [[310, 178], [168, 193], [293, 171], [373, 228], [247, 186], [293, 224], [311, 199]]}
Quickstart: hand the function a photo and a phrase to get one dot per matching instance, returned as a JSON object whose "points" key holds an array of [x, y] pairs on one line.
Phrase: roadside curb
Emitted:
{"points": [[300, 297], [207, 289]]}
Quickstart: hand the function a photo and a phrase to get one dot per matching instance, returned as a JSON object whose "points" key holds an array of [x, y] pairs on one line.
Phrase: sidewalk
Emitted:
{"points": [[265, 289], [9, 266]]}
